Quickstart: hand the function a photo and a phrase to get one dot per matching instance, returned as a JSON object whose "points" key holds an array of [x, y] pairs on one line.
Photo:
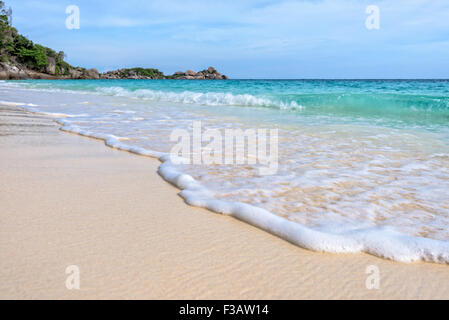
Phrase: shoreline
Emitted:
{"points": [[399, 248], [129, 243]]}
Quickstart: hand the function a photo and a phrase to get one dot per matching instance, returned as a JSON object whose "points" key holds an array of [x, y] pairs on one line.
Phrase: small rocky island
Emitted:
{"points": [[209, 74], [13, 70], [141, 73]]}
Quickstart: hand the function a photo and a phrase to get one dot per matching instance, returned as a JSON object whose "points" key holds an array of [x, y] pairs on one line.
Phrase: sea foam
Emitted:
{"points": [[200, 98]]}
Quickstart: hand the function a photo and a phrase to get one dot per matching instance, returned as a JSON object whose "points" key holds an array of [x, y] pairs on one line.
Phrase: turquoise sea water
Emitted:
{"points": [[409, 99], [363, 165]]}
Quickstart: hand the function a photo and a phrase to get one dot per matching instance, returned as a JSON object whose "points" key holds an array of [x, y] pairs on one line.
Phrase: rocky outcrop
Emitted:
{"points": [[13, 72], [81, 73], [190, 73], [134, 73], [75, 73], [51, 66], [10, 71], [141, 73], [210, 74], [92, 74]]}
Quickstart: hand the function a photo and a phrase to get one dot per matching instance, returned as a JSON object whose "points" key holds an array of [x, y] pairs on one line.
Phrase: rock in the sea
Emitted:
{"points": [[211, 70], [92, 74], [75, 73], [209, 74], [190, 73]]}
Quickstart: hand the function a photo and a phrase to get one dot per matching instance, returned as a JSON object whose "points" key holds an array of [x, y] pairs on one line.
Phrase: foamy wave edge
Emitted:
{"points": [[380, 242], [200, 98]]}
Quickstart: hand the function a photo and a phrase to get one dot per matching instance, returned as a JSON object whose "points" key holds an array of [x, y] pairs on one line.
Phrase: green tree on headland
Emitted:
{"points": [[18, 49], [21, 58]]}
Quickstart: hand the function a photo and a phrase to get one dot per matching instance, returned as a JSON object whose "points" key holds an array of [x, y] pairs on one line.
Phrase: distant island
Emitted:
{"points": [[21, 58], [141, 73]]}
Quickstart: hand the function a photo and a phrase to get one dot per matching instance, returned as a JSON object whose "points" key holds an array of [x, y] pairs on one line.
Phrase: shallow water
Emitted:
{"points": [[367, 161]]}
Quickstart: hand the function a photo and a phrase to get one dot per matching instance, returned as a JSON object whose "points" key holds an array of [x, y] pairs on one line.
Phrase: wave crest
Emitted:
{"points": [[200, 98]]}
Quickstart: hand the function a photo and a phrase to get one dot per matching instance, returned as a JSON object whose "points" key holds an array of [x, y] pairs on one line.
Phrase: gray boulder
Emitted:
{"points": [[75, 73], [190, 73], [51, 66], [12, 72], [92, 74]]}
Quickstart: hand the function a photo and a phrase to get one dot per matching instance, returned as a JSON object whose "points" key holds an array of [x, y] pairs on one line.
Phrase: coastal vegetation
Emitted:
{"points": [[20, 55], [21, 58]]}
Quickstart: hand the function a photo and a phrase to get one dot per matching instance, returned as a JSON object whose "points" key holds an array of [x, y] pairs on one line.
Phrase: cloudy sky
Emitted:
{"points": [[248, 38]]}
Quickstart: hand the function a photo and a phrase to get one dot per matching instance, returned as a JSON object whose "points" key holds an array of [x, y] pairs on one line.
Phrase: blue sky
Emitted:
{"points": [[248, 38]]}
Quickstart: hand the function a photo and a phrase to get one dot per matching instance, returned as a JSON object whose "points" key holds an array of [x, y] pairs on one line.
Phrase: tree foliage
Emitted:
{"points": [[151, 72], [18, 48]]}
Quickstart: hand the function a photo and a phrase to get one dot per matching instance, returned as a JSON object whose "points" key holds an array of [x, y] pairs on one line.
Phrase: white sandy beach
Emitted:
{"points": [[69, 200]]}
